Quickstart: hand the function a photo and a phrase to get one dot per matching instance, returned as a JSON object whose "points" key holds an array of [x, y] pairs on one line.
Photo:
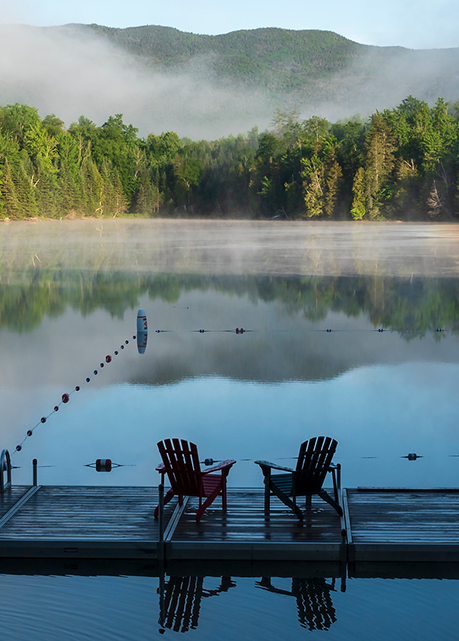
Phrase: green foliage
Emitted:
{"points": [[402, 163]]}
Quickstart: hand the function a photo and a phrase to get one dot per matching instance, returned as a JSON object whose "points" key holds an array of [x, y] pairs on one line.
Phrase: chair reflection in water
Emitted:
{"points": [[180, 601], [313, 600], [313, 463]]}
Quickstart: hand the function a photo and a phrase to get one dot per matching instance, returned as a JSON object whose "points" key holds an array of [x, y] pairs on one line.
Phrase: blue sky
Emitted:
{"points": [[416, 24]]}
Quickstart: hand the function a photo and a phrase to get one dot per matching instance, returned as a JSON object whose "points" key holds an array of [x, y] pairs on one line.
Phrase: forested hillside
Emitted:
{"points": [[271, 57], [294, 68], [401, 163], [207, 87]]}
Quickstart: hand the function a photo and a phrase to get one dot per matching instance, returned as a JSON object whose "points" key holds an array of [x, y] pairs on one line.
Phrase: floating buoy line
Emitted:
{"points": [[106, 465], [65, 398], [328, 330], [141, 336]]}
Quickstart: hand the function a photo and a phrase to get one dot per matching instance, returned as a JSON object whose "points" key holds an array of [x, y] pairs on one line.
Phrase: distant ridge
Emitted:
{"points": [[206, 86], [296, 62]]}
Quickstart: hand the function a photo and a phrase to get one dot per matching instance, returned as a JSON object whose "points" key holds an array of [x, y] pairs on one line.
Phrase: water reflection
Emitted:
{"points": [[69, 294], [126, 607], [181, 597], [313, 600], [410, 306]]}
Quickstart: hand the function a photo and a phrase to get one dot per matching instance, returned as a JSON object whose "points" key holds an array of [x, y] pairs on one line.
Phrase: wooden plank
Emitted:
{"points": [[11, 496], [117, 523], [17, 506], [105, 514], [243, 532], [408, 525]]}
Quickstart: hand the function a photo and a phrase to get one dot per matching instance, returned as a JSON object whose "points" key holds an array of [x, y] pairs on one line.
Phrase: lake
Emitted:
{"points": [[312, 299]]}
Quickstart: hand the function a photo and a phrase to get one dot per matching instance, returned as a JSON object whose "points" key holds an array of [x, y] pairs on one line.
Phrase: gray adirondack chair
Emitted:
{"points": [[313, 464]]}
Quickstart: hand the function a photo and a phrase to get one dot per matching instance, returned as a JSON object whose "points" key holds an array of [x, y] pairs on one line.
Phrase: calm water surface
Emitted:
{"points": [[69, 296]]}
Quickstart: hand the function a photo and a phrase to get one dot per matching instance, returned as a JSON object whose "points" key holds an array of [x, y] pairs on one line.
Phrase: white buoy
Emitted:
{"points": [[142, 331]]}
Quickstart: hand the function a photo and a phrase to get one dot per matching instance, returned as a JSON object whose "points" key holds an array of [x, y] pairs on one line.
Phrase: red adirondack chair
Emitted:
{"points": [[181, 464]]}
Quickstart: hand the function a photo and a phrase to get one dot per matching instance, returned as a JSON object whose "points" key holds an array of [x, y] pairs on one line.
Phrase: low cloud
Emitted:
{"points": [[70, 71]]}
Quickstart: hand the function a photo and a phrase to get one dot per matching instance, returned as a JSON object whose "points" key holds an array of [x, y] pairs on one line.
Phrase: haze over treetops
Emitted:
{"points": [[210, 86]]}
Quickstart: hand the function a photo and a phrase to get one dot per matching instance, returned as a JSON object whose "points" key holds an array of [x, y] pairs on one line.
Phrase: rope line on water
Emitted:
{"points": [[328, 330], [65, 398], [142, 332]]}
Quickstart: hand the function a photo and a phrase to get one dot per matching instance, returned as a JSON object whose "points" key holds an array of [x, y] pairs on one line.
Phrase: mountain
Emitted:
{"points": [[281, 60], [206, 86]]}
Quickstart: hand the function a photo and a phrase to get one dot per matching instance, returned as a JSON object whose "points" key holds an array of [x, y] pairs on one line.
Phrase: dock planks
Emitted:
{"points": [[400, 525], [103, 523]]}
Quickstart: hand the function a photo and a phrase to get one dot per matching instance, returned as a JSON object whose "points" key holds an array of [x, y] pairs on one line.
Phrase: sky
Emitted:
{"points": [[416, 24]]}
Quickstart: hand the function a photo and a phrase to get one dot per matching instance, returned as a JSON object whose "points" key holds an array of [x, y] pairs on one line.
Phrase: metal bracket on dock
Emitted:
{"points": [[175, 518]]}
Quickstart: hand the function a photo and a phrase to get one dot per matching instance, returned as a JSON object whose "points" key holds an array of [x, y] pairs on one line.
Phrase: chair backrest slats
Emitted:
{"points": [[313, 462], [182, 466]]}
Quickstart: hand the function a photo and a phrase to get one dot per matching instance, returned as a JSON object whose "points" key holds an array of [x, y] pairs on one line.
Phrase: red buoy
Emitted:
{"points": [[103, 465]]}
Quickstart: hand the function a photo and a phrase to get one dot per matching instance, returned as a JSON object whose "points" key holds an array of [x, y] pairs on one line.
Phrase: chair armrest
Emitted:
{"points": [[160, 468], [273, 466], [223, 465]]}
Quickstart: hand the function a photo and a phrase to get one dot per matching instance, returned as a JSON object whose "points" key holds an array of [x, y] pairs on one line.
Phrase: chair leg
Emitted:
{"points": [[224, 495], [207, 502], [287, 501], [267, 497], [326, 497]]}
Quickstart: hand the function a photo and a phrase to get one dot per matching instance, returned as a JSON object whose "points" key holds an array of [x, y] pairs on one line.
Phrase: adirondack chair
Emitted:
{"points": [[314, 461], [181, 464]]}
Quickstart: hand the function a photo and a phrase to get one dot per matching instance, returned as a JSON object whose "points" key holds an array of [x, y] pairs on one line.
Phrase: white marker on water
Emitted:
{"points": [[142, 331]]}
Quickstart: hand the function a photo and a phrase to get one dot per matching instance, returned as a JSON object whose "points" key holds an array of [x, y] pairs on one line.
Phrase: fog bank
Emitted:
{"points": [[71, 71]]}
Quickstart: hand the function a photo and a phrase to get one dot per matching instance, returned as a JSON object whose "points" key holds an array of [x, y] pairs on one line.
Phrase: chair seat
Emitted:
{"points": [[283, 482], [210, 482]]}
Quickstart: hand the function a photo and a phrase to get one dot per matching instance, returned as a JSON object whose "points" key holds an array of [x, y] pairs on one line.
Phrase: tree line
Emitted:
{"points": [[401, 163]]}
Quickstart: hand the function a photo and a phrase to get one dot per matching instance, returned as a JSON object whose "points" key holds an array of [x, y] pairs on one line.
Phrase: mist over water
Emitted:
{"points": [[71, 71]]}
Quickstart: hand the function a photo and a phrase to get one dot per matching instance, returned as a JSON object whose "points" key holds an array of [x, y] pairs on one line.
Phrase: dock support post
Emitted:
{"points": [[34, 472], [161, 528], [161, 512]]}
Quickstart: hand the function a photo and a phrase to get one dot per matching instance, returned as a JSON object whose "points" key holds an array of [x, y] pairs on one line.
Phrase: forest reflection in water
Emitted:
{"points": [[380, 394], [284, 318]]}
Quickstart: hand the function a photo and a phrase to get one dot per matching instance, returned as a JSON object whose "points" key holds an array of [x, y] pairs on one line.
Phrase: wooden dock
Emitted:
{"points": [[380, 528]]}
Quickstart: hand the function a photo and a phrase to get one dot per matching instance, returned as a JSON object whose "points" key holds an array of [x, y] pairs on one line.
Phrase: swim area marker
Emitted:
{"points": [[142, 334]]}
